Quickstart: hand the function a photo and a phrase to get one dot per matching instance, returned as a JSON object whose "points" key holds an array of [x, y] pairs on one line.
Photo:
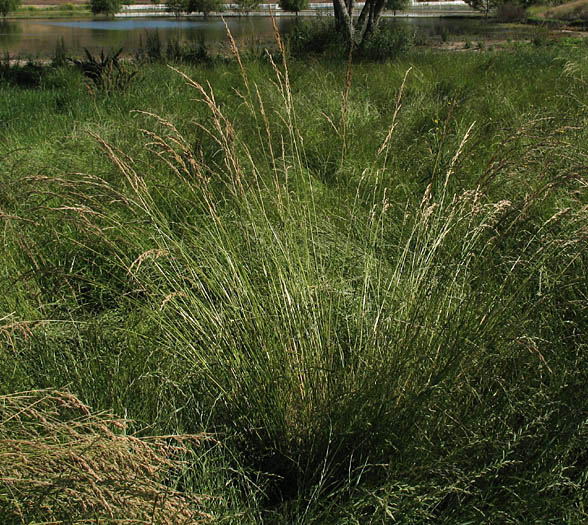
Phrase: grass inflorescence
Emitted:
{"points": [[364, 285]]}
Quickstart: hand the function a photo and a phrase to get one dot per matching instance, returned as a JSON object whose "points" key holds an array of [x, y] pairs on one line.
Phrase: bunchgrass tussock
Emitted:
{"points": [[373, 293]]}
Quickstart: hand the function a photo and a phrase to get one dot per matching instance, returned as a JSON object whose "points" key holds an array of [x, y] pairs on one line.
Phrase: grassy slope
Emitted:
{"points": [[372, 323], [570, 11]]}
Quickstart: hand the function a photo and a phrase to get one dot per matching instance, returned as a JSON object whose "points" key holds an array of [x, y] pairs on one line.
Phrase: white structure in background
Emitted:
{"points": [[415, 8]]}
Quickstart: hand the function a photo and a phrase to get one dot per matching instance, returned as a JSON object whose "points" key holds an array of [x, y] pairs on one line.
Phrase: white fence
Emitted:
{"points": [[414, 8]]}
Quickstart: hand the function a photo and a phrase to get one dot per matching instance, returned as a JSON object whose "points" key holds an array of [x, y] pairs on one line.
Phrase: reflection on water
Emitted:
{"points": [[9, 34], [38, 38], [128, 25]]}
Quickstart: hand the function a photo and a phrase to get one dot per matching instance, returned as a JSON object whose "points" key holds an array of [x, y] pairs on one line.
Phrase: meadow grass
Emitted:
{"points": [[365, 282], [55, 11]]}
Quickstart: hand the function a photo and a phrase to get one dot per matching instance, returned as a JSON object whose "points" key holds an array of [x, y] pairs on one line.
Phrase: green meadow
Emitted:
{"points": [[268, 289]]}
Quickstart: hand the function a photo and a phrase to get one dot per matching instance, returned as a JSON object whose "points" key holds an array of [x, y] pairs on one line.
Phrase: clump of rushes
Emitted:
{"points": [[61, 461]]}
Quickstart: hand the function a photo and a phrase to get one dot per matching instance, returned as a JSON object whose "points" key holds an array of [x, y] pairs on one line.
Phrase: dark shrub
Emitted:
{"points": [[510, 12], [390, 41]]}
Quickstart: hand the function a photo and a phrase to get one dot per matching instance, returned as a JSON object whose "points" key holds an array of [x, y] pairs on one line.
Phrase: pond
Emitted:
{"points": [[37, 38]]}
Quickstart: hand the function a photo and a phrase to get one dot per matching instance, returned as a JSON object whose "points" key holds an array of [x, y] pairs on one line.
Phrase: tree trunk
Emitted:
{"points": [[344, 18], [363, 27]]}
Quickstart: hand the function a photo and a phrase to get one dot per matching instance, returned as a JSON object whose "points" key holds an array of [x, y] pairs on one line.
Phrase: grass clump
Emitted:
{"points": [[366, 280], [106, 73], [323, 39]]}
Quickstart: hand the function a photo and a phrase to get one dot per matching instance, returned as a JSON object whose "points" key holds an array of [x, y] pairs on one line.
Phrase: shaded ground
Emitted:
{"points": [[478, 44]]}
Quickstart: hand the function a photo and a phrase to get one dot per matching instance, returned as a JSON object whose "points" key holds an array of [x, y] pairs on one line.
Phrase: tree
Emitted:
{"points": [[6, 6], [397, 5], [177, 7], [356, 30], [485, 6], [107, 7], [293, 6], [204, 6], [248, 5]]}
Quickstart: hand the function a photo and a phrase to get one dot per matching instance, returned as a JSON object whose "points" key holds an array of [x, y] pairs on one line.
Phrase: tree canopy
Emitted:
{"points": [[248, 5], [194, 6], [107, 7], [488, 6], [177, 7], [397, 5], [485, 6], [204, 6], [6, 6], [293, 6]]}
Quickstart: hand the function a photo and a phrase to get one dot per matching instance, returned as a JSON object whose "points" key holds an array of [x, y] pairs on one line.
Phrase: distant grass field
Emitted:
{"points": [[577, 10], [274, 290], [50, 10], [570, 11]]}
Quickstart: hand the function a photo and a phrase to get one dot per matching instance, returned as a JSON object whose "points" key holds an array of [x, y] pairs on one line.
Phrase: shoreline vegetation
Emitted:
{"points": [[295, 287], [574, 12], [318, 38], [82, 10]]}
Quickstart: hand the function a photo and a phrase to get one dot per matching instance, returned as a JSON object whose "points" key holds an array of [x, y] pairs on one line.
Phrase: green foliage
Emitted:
{"points": [[177, 7], [316, 37], [28, 75], [390, 41], [106, 72], [293, 6], [204, 6], [397, 5], [504, 9], [6, 6], [576, 12], [485, 6], [174, 51], [372, 306], [107, 7], [323, 38], [248, 5], [60, 54], [510, 12]]}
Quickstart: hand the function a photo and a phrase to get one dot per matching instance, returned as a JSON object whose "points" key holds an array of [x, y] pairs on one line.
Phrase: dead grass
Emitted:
{"points": [[59, 461], [577, 10]]}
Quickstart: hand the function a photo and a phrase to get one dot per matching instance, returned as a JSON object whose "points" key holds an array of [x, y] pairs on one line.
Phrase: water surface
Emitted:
{"points": [[39, 38]]}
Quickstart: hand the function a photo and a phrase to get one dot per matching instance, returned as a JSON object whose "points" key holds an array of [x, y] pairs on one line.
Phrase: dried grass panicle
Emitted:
{"points": [[223, 133], [175, 150], [153, 254], [235, 51], [58, 460], [12, 329], [385, 144], [124, 164]]}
